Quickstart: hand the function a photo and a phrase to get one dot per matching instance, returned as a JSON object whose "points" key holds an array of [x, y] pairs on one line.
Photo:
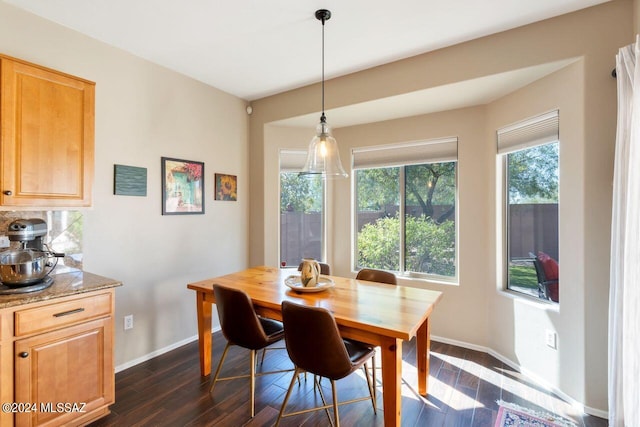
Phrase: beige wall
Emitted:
{"points": [[522, 322], [144, 112], [477, 311]]}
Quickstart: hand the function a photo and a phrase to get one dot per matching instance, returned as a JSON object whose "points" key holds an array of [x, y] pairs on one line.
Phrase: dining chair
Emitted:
{"points": [[324, 268], [241, 326], [380, 276], [314, 345], [373, 275]]}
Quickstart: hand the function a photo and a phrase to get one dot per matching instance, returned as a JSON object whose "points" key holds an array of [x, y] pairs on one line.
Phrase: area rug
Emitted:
{"points": [[511, 415]]}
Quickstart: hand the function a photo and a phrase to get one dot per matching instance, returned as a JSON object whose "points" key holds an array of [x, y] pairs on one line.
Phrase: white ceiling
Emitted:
{"points": [[256, 48]]}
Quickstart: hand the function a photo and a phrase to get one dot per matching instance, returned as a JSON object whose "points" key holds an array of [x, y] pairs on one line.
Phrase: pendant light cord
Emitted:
{"points": [[322, 67], [323, 15]]}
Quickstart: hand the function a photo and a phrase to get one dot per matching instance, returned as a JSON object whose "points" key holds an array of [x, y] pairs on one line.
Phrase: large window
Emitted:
{"points": [[301, 211], [405, 208], [531, 165]]}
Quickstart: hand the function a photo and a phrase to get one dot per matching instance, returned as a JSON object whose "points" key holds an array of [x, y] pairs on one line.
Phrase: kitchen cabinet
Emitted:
{"points": [[47, 137], [60, 360]]}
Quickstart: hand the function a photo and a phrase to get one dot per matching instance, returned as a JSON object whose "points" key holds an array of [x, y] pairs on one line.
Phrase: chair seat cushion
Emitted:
{"points": [[272, 328], [358, 352]]}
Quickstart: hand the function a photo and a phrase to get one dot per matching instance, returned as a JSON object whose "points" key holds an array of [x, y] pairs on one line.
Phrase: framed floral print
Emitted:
{"points": [[182, 187], [226, 187]]}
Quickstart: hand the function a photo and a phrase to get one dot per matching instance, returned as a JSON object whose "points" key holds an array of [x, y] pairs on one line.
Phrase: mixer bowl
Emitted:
{"points": [[24, 267]]}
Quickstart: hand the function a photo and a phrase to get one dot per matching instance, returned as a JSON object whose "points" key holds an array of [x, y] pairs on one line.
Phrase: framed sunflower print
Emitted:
{"points": [[226, 187], [182, 187]]}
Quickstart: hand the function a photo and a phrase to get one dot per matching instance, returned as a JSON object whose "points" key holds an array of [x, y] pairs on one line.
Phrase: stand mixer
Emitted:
{"points": [[30, 232], [27, 269]]}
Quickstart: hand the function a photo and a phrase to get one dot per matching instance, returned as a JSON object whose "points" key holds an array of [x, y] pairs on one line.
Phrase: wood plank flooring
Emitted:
{"points": [[464, 388]]}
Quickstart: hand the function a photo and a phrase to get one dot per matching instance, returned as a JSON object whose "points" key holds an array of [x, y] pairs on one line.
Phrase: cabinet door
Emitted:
{"points": [[70, 370], [47, 137]]}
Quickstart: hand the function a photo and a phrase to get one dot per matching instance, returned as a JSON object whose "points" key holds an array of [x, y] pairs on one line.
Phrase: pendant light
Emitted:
{"points": [[323, 157]]}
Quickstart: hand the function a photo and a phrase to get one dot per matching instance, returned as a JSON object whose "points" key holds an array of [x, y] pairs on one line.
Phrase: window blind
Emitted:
{"points": [[292, 160], [409, 153], [528, 133]]}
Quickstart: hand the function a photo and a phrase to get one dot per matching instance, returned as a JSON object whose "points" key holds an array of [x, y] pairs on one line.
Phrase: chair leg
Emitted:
{"points": [[215, 377], [335, 404], [286, 397], [252, 386], [316, 384], [372, 386]]}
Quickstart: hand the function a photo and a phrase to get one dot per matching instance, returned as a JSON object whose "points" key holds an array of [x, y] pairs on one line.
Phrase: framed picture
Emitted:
{"points": [[129, 180], [226, 187], [182, 187]]}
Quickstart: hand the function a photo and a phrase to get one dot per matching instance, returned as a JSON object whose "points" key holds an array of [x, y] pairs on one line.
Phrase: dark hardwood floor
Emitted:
{"points": [[464, 388]]}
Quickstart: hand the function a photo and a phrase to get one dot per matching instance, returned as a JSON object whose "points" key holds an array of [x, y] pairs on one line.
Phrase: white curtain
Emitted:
{"points": [[624, 297]]}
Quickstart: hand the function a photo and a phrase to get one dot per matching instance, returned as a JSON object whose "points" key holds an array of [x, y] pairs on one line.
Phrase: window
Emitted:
{"points": [[405, 208], [531, 170], [301, 211]]}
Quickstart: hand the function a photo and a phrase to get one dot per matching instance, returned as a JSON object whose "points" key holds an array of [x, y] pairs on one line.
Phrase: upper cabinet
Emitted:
{"points": [[47, 137]]}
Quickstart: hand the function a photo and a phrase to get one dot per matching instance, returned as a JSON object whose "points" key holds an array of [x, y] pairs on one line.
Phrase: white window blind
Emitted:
{"points": [[292, 160], [409, 153], [528, 133]]}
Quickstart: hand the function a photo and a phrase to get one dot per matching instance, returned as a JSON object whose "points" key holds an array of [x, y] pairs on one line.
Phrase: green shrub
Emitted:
{"points": [[430, 246]]}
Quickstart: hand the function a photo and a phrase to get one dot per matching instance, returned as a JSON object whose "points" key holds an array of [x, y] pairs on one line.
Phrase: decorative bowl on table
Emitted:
{"points": [[295, 284]]}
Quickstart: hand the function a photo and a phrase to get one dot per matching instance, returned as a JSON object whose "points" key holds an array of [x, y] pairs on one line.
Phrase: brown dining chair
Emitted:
{"points": [[380, 276], [241, 326], [314, 345], [324, 268]]}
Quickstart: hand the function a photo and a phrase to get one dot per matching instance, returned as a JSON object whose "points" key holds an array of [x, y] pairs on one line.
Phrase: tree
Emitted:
{"points": [[427, 185], [423, 189], [377, 188], [533, 174], [300, 193]]}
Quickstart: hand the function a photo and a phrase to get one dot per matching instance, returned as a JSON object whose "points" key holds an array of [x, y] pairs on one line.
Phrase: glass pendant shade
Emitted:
{"points": [[323, 156]]}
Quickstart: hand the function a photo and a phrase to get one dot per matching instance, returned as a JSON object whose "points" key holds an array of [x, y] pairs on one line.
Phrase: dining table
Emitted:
{"points": [[374, 313]]}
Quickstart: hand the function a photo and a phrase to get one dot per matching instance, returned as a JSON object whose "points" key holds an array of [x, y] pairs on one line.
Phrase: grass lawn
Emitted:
{"points": [[524, 277]]}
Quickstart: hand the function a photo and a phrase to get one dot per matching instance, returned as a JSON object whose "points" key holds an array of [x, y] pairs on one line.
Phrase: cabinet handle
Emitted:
{"points": [[66, 313], [8, 193], [23, 354]]}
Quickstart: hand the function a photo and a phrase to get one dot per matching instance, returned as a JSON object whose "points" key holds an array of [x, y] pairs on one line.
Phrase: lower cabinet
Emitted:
{"points": [[64, 373], [57, 361]]}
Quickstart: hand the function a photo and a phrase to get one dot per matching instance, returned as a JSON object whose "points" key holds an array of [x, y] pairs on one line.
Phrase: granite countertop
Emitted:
{"points": [[64, 284]]}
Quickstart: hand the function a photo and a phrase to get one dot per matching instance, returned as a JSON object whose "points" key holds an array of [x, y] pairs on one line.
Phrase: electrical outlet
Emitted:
{"points": [[551, 338], [128, 322], [4, 242]]}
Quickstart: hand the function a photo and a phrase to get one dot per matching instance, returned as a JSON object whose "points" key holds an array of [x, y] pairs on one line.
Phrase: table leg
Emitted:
{"points": [[204, 333], [422, 353], [391, 352]]}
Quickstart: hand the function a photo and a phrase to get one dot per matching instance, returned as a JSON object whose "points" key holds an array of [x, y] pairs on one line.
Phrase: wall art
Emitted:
{"points": [[226, 187], [182, 187], [129, 180]]}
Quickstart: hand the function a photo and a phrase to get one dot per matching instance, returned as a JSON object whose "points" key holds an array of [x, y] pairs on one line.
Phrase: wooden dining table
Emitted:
{"points": [[374, 313]]}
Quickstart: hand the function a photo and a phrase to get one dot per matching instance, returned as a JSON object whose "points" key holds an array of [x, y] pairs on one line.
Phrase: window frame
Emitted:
{"points": [[550, 123], [294, 156], [402, 273]]}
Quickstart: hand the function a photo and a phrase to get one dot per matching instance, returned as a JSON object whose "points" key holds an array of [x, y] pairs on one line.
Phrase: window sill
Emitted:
{"points": [[421, 282], [529, 300]]}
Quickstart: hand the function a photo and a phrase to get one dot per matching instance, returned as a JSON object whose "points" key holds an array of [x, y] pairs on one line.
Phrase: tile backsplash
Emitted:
{"points": [[64, 233]]}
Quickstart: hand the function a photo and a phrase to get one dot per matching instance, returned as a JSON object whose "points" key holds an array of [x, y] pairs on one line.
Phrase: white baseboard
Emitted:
{"points": [[537, 379], [158, 352]]}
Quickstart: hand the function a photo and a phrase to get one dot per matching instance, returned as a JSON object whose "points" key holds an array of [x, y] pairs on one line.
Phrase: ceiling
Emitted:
{"points": [[256, 48]]}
